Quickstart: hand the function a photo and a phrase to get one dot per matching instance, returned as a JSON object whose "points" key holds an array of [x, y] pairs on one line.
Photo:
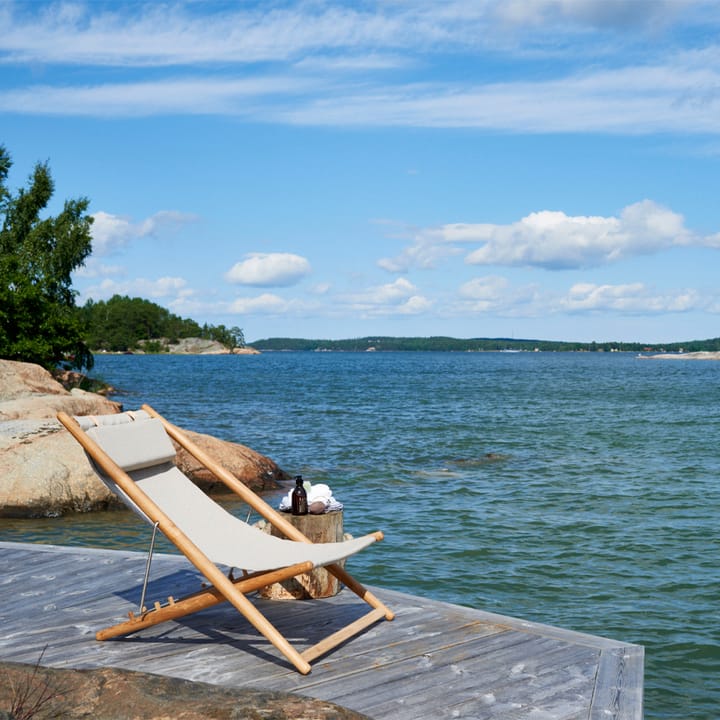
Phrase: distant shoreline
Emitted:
{"points": [[186, 346], [702, 355], [443, 343]]}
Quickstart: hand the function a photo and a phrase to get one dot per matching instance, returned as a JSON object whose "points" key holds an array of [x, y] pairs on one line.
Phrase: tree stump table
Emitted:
{"points": [[318, 583]]}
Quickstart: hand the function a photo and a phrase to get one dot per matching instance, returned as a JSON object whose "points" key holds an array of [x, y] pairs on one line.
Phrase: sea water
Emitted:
{"points": [[576, 489]]}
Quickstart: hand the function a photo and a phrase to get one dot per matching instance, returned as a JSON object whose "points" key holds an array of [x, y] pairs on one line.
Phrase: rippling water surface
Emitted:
{"points": [[579, 490]]}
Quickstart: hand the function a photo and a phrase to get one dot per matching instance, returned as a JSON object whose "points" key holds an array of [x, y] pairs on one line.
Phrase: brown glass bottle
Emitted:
{"points": [[299, 498]]}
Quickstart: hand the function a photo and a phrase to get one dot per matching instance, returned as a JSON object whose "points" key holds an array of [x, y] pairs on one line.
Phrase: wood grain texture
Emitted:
{"points": [[436, 660]]}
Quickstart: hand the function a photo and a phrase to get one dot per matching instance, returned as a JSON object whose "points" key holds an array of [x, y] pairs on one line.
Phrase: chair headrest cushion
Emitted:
{"points": [[134, 445]]}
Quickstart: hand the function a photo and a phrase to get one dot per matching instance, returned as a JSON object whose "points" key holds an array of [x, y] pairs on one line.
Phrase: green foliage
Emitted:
{"points": [[448, 344], [230, 337], [38, 318], [122, 323]]}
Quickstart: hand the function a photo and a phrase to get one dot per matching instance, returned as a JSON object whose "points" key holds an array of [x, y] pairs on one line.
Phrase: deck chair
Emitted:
{"points": [[133, 454]]}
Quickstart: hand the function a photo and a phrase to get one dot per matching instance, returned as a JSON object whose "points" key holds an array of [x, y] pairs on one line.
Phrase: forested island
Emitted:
{"points": [[124, 324], [449, 344]]}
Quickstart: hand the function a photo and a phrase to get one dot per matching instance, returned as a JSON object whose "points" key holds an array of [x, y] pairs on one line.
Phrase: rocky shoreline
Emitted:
{"points": [[193, 346], [45, 473], [700, 355], [114, 694]]}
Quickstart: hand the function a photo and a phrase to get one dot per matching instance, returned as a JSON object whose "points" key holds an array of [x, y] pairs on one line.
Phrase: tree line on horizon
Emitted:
{"points": [[450, 344]]}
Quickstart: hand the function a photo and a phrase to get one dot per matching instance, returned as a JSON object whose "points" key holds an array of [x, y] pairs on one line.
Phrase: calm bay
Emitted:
{"points": [[576, 489]]}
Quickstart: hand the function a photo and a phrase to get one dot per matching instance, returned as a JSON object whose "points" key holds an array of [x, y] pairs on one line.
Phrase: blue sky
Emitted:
{"points": [[528, 168]]}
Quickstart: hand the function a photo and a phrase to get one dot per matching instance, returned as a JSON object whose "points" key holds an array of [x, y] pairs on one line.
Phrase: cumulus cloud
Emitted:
{"points": [[712, 240], [425, 253], [269, 270], [629, 298], [556, 241], [497, 296], [483, 288], [265, 304], [113, 232], [400, 297], [163, 287], [552, 240]]}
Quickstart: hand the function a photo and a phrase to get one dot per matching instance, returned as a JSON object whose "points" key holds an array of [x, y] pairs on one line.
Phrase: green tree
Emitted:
{"points": [[231, 338], [123, 323], [38, 318]]}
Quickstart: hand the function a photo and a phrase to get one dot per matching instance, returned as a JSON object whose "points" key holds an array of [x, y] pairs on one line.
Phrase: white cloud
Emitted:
{"points": [[593, 13], [93, 268], [495, 295], [171, 34], [352, 63], [321, 288], [712, 240], [633, 101], [663, 98], [629, 299], [483, 288], [397, 298], [424, 253], [414, 305], [113, 232], [265, 304], [164, 287], [554, 240], [269, 270], [197, 95], [666, 90], [177, 33]]}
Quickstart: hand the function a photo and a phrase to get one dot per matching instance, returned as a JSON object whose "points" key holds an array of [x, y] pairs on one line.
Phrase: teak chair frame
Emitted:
{"points": [[223, 587]]}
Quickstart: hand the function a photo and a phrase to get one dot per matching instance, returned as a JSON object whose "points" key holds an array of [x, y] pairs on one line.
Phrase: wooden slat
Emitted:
{"points": [[618, 690], [200, 600], [339, 637]]}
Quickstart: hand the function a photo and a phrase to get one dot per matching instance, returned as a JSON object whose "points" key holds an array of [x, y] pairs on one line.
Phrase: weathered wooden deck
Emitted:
{"points": [[435, 660]]}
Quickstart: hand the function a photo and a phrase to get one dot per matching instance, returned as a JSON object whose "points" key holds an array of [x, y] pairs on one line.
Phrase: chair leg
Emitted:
{"points": [[339, 637], [197, 601], [362, 592]]}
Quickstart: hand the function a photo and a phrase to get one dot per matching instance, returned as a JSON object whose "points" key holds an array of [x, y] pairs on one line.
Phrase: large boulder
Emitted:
{"points": [[113, 694], [45, 472], [28, 391], [255, 470]]}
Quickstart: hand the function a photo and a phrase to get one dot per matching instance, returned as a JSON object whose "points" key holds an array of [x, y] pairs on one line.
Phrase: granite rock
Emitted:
{"points": [[114, 694], [45, 473]]}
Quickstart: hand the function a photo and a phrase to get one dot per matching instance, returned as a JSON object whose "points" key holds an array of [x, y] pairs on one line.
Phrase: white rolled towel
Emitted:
{"points": [[319, 493]]}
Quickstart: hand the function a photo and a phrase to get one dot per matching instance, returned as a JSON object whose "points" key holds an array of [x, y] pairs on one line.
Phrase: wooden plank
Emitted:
{"points": [[618, 688]]}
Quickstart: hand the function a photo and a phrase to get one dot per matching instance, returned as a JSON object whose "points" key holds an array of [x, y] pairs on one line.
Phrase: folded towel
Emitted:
{"points": [[318, 496], [319, 493]]}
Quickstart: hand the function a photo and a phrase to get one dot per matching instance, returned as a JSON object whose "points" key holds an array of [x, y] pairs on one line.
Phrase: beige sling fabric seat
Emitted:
{"points": [[133, 455]]}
